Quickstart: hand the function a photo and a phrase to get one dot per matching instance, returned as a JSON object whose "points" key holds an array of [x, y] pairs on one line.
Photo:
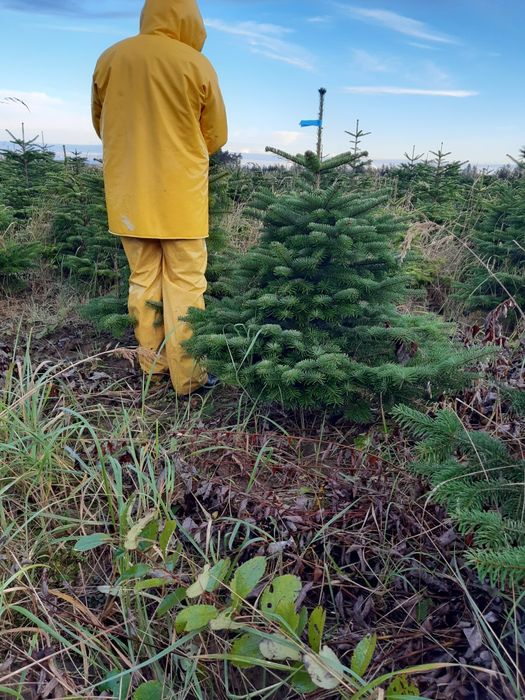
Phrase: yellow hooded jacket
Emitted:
{"points": [[158, 108]]}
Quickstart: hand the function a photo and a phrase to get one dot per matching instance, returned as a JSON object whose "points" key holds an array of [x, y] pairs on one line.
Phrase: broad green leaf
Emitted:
{"points": [[171, 601], [224, 621], [316, 629], [218, 574], [387, 678], [195, 617], [210, 579], [124, 516], [9, 692], [423, 609], [119, 688], [302, 682], [113, 591], [303, 621], [246, 578], [325, 669], [246, 646], [291, 618], [280, 595], [279, 649], [134, 572], [149, 691], [166, 535], [200, 586], [148, 536], [85, 544], [173, 559], [402, 687], [150, 583], [133, 536], [363, 655]]}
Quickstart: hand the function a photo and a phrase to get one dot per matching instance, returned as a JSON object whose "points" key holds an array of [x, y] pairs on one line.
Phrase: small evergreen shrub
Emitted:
{"points": [[85, 250], [6, 218], [497, 268], [481, 483], [310, 318], [108, 314], [15, 259], [24, 175], [433, 186]]}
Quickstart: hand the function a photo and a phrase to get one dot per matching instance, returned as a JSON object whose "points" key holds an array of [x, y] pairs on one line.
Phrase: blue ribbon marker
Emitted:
{"points": [[311, 122]]}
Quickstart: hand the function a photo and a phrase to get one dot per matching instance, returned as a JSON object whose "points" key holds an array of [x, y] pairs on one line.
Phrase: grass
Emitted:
{"points": [[88, 449], [325, 504]]}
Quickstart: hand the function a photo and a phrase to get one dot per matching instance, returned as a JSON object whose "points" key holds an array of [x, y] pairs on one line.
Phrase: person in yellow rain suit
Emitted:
{"points": [[158, 109]]}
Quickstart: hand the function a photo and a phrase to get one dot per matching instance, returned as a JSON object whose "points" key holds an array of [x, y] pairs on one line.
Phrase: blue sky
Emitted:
{"points": [[415, 72]]}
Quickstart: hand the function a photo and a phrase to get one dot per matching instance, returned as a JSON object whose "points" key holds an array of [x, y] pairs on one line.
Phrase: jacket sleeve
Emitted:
{"points": [[214, 123], [96, 107]]}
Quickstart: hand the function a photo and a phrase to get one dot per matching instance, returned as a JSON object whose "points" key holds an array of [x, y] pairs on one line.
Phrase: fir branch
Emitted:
{"points": [[505, 567], [298, 159]]}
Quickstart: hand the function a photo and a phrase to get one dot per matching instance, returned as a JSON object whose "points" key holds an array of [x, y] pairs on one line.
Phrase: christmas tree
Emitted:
{"points": [[311, 315], [25, 169], [24, 172], [85, 251], [15, 259], [433, 185], [480, 482], [496, 271]]}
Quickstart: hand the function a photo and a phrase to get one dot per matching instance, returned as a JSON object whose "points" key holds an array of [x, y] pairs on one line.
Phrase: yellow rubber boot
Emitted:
{"points": [[183, 286], [145, 285]]}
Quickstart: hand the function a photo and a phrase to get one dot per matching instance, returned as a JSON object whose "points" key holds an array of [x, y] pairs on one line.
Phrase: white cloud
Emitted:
{"points": [[435, 74], [390, 90], [286, 138], [374, 64], [323, 19], [267, 40], [254, 139], [397, 23], [61, 120], [37, 99], [424, 47]]}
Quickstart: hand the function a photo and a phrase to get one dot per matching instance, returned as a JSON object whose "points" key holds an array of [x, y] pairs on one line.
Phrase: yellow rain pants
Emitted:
{"points": [[172, 272]]}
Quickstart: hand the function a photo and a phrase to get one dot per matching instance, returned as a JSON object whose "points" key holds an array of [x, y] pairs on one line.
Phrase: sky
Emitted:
{"points": [[414, 72]]}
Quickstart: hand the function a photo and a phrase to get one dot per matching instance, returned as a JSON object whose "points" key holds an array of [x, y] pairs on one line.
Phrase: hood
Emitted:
{"points": [[178, 19]]}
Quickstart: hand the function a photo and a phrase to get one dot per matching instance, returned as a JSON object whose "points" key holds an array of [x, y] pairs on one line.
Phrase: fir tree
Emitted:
{"points": [[480, 482], [310, 318], [219, 251], [6, 218], [359, 165], [24, 173], [497, 270], [84, 248], [15, 259], [433, 185], [109, 314], [444, 186], [410, 173]]}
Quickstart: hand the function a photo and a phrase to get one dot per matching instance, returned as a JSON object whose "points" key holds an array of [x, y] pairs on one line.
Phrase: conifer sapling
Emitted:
{"points": [[311, 315]]}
